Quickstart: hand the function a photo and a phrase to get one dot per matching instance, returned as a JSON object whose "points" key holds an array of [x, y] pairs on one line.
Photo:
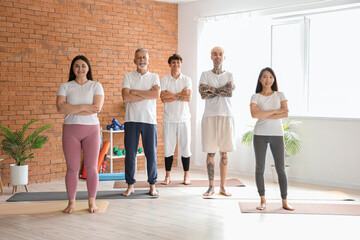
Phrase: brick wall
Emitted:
{"points": [[38, 40]]}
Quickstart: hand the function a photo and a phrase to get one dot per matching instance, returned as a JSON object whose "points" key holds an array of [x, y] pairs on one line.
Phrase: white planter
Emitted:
{"points": [[18, 175], [274, 174]]}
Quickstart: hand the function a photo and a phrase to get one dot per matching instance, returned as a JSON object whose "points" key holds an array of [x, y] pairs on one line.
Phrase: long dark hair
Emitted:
{"points": [[274, 87], [72, 75]]}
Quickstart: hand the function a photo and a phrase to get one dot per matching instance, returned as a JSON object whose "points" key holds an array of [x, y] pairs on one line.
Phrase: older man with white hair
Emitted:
{"points": [[140, 90]]}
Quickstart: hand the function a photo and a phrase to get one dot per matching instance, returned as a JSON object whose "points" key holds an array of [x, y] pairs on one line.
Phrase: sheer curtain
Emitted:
{"points": [[247, 50]]}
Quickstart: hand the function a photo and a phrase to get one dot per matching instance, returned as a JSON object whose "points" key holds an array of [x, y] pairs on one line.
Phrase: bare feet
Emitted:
{"points": [[71, 206], [187, 181], [224, 192], [153, 191], [166, 181], [92, 206], [130, 190], [209, 192], [286, 206], [262, 203]]}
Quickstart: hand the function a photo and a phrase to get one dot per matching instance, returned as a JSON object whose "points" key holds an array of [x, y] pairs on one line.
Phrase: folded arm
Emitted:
{"points": [[184, 96], [139, 95], [225, 91], [282, 112], [208, 92], [83, 109]]}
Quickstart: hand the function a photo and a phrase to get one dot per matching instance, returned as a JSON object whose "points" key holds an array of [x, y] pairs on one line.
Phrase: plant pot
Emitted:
{"points": [[274, 173], [18, 175]]}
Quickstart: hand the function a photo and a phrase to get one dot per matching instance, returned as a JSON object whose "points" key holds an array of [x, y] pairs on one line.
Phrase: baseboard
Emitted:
{"points": [[325, 183]]}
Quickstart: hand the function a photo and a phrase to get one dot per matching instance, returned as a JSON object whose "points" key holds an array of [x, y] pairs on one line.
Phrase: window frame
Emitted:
{"points": [[305, 22]]}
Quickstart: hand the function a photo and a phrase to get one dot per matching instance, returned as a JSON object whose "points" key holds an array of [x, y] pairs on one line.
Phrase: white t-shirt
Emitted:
{"points": [[265, 126], [143, 111], [217, 106], [176, 111], [81, 94]]}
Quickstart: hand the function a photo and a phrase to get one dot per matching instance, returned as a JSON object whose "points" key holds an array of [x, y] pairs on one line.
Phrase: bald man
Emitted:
{"points": [[217, 126]]}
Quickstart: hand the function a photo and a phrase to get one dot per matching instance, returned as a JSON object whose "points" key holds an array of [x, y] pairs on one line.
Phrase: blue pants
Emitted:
{"points": [[149, 141]]}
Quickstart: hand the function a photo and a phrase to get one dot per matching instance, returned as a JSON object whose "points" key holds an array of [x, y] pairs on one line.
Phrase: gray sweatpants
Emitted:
{"points": [[278, 152]]}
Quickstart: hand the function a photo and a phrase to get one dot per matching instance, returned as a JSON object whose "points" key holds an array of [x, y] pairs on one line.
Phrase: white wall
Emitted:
{"points": [[330, 147]]}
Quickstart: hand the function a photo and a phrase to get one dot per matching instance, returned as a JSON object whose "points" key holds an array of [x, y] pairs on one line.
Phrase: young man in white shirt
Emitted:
{"points": [[175, 94], [140, 90], [217, 127]]}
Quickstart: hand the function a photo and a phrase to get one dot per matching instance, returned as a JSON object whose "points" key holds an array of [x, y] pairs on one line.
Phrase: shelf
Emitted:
{"points": [[111, 156], [112, 131], [122, 156]]}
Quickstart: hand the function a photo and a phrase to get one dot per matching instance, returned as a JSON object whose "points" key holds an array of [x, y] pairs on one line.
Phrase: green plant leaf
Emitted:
{"points": [[247, 138], [19, 148], [21, 134], [292, 143], [291, 138], [7, 133]]}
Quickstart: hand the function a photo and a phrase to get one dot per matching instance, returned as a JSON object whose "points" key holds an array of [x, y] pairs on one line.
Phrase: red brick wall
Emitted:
{"points": [[38, 40]]}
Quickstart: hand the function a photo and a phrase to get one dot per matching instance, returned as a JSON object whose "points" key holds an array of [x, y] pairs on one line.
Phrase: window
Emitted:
{"points": [[334, 64], [287, 61], [316, 58]]}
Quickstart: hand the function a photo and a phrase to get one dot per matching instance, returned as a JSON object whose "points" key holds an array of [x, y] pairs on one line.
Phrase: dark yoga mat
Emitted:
{"points": [[233, 182], [81, 195]]}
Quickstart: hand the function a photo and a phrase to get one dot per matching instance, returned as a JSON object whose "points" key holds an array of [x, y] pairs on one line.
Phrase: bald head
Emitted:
{"points": [[217, 56], [217, 49]]}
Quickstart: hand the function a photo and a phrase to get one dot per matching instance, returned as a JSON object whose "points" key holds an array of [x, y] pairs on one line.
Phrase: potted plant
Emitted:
{"points": [[291, 141], [19, 147]]}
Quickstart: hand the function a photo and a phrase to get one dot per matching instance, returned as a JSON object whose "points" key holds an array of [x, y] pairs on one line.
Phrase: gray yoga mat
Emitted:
{"points": [[81, 195]]}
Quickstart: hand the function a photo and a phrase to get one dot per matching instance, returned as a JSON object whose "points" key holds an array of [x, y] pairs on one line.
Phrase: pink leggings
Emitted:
{"points": [[75, 137]]}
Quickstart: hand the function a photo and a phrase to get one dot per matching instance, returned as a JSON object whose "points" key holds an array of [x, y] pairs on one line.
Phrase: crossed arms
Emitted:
{"points": [[282, 112], [139, 95], [83, 109], [184, 95], [208, 92]]}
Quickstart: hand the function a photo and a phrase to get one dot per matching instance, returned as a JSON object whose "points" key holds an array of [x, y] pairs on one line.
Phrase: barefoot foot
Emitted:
{"points": [[262, 204], [261, 207], [130, 190], [153, 191], [70, 208], [166, 181], [286, 206], [187, 181], [209, 192], [92, 206], [224, 192]]}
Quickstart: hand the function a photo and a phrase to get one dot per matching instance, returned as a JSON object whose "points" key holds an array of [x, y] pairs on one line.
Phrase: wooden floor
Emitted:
{"points": [[179, 213]]}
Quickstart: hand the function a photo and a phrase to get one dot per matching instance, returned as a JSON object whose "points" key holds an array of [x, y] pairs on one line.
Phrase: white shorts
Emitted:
{"points": [[218, 133], [180, 132]]}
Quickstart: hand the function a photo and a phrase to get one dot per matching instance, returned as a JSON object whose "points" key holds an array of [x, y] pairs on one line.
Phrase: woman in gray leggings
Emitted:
{"points": [[269, 106]]}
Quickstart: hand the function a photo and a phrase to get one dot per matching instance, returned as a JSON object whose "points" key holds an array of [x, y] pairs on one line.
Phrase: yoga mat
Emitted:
{"points": [[247, 193], [303, 208], [111, 176], [81, 195], [56, 207], [179, 183]]}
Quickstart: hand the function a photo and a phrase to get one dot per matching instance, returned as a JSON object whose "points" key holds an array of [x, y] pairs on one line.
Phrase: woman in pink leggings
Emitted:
{"points": [[80, 99]]}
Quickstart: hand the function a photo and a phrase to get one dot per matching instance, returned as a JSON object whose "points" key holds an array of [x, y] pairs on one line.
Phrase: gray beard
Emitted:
{"points": [[142, 68]]}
